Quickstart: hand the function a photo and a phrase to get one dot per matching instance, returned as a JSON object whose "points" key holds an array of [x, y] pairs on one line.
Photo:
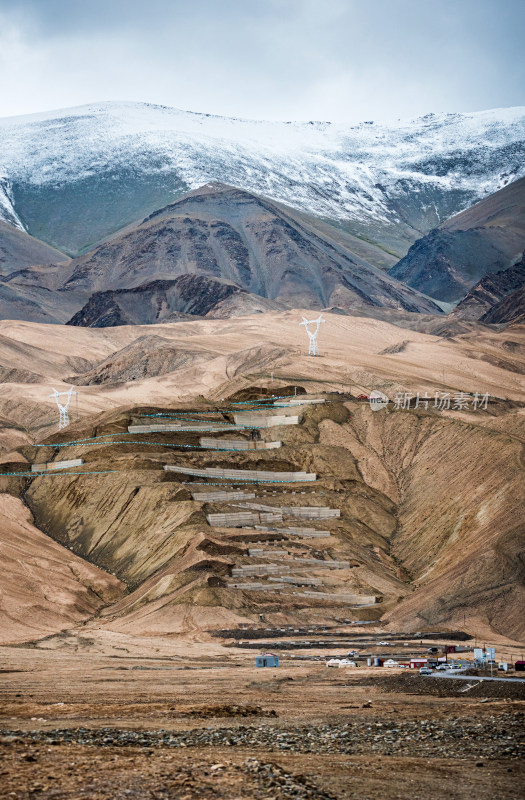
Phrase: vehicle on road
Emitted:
{"points": [[384, 644], [456, 668], [442, 667], [425, 671]]}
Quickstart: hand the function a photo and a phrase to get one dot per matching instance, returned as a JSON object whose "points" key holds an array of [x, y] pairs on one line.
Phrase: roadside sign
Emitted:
{"points": [[478, 654], [491, 653]]}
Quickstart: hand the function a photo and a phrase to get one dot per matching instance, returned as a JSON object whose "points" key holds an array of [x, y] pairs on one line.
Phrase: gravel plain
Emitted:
{"points": [[79, 726]]}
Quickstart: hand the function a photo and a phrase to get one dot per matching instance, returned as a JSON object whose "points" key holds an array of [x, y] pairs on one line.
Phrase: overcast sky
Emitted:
{"points": [[340, 60]]}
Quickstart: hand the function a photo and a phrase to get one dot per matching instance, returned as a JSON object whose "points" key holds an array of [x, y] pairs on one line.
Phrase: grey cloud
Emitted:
{"points": [[274, 59]]}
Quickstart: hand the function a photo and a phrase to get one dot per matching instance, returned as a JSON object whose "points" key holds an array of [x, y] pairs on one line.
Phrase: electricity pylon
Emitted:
{"points": [[313, 349], [63, 408]]}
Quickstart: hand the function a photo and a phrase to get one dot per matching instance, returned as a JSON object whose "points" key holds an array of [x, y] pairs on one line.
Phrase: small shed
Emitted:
{"points": [[267, 660], [416, 663], [519, 666]]}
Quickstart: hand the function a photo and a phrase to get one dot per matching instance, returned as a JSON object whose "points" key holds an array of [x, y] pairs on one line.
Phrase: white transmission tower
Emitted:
{"points": [[63, 408], [313, 349]]}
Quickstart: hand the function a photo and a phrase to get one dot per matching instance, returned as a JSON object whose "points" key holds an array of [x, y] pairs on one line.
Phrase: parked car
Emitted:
{"points": [[442, 667], [425, 671], [362, 397]]}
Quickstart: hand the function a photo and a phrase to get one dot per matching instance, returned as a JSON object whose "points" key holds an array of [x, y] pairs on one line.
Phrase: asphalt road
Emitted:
{"points": [[474, 677]]}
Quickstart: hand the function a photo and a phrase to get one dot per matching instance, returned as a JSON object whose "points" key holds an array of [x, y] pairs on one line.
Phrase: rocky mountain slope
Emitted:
{"points": [[489, 291], [485, 238], [243, 241], [75, 176], [34, 264], [18, 250], [510, 309], [168, 301]]}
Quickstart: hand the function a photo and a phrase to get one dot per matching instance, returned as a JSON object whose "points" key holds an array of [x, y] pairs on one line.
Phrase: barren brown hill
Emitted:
{"points": [[409, 533], [231, 353], [135, 364], [430, 500]]}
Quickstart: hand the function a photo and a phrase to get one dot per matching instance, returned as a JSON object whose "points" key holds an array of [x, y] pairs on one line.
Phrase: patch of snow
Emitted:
{"points": [[7, 209]]}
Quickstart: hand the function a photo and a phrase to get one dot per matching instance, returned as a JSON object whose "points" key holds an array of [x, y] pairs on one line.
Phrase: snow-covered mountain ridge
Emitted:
{"points": [[75, 176]]}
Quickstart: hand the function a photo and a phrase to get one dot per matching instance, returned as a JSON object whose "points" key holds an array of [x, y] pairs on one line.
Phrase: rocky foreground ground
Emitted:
{"points": [[388, 757], [492, 737], [82, 727]]}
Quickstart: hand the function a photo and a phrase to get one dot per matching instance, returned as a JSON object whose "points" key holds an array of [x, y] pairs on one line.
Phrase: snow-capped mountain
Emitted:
{"points": [[75, 176]]}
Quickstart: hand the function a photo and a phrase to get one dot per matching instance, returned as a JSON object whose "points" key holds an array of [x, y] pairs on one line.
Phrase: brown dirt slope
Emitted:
{"points": [[142, 524], [460, 488], [44, 587]]}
